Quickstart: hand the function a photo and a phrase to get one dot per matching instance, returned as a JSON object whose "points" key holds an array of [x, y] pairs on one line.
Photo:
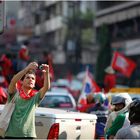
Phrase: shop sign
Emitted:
{"points": [[130, 47]]}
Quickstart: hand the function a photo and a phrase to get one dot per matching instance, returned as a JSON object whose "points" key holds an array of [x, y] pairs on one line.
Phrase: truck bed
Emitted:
{"points": [[71, 125]]}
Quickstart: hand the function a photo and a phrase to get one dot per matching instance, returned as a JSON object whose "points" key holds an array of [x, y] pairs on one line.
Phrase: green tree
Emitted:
{"points": [[104, 56], [72, 44], [77, 24]]}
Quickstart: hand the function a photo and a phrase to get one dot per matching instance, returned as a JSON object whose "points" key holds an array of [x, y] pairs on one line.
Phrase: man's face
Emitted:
{"points": [[119, 106], [29, 81]]}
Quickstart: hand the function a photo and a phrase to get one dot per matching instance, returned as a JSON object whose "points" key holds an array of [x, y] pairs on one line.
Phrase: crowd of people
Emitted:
{"points": [[11, 64], [117, 118], [117, 115]]}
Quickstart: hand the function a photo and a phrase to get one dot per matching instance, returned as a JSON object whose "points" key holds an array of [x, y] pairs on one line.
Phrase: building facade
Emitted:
{"points": [[48, 19], [123, 21]]}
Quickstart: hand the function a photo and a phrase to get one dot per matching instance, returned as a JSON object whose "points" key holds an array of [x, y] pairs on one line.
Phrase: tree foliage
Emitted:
{"points": [[78, 24], [104, 56]]}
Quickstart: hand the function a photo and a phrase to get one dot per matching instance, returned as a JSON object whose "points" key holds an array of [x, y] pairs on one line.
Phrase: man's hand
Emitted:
{"points": [[32, 66], [44, 67], [46, 85]]}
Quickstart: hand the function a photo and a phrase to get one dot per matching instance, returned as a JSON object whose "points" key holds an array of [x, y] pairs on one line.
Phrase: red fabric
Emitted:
{"points": [[83, 101], [3, 96], [85, 107], [23, 94], [6, 65], [123, 64], [96, 88], [39, 79], [109, 81], [23, 54]]}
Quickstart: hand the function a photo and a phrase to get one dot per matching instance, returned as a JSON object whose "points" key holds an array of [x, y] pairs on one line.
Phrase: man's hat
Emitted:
{"points": [[109, 70]]}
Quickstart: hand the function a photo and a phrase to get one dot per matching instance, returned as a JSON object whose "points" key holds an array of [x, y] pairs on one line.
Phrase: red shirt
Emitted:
{"points": [[23, 54], [109, 82], [84, 108], [39, 79], [6, 66]]}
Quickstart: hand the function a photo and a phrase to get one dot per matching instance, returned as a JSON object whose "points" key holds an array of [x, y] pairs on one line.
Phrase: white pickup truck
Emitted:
{"points": [[61, 124]]}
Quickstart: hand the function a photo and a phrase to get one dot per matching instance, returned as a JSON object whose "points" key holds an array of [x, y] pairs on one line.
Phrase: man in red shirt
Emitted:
{"points": [[110, 79]]}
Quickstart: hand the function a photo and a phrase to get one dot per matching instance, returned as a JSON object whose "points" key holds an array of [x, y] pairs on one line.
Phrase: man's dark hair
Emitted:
{"points": [[29, 72]]}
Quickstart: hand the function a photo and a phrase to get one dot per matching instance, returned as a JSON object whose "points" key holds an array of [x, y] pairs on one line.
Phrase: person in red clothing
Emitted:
{"points": [[23, 56], [6, 65], [3, 80], [110, 79], [39, 79], [47, 58], [90, 103]]}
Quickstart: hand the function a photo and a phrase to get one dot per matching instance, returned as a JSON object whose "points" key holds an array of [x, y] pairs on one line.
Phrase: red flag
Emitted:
{"points": [[89, 86], [123, 64]]}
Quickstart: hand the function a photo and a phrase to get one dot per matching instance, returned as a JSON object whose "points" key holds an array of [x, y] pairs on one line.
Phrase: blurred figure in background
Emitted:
{"points": [[110, 79], [90, 102], [3, 87], [3, 80], [132, 131], [119, 117], [102, 113], [23, 56], [6, 66], [47, 59], [3, 95], [39, 78]]}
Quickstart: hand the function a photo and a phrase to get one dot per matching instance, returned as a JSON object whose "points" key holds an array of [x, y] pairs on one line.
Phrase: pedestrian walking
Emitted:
{"points": [[132, 131], [22, 123]]}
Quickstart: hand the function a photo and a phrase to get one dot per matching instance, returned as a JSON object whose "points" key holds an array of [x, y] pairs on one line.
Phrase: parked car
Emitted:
{"points": [[74, 86], [59, 99], [59, 89]]}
